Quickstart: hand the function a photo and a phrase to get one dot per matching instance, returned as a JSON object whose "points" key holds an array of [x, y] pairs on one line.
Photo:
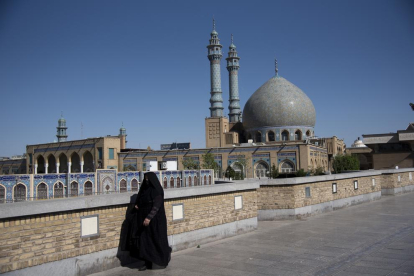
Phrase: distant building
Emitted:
{"points": [[13, 165], [360, 150], [390, 150]]}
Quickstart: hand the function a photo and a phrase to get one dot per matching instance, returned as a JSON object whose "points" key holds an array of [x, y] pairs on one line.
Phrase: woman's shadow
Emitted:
{"points": [[123, 253]]}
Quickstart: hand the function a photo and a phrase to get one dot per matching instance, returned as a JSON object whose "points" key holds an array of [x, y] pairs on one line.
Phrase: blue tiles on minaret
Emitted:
{"points": [[61, 130], [233, 68], [215, 55]]}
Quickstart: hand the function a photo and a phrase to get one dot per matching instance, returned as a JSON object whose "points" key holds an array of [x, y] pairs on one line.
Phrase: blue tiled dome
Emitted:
{"points": [[278, 103]]}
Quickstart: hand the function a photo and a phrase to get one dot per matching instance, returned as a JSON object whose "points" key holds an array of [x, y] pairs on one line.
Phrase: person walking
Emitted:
{"points": [[149, 241]]}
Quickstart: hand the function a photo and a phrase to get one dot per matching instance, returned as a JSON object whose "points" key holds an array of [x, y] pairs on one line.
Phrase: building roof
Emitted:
{"points": [[278, 103]]}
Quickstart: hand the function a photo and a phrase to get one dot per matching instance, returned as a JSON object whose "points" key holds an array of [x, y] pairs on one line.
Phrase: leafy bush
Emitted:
{"points": [[275, 172], [230, 173], [343, 163], [301, 173]]}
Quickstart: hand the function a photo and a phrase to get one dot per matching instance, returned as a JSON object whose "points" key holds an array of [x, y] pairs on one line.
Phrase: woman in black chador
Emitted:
{"points": [[149, 236]]}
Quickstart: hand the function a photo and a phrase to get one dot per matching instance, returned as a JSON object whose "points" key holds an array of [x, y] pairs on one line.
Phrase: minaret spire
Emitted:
{"points": [[61, 129], [276, 68], [233, 68], [215, 55]]}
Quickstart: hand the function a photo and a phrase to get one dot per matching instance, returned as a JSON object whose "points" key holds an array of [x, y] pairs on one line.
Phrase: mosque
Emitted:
{"points": [[276, 128]]}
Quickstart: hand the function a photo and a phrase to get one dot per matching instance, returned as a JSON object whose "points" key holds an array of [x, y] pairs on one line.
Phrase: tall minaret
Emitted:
{"points": [[214, 55], [61, 130], [233, 68], [123, 135]]}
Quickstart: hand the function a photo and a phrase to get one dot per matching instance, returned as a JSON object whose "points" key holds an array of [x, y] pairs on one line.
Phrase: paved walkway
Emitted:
{"points": [[369, 239]]}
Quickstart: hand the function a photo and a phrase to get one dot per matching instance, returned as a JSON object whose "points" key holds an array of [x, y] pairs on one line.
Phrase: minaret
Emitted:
{"points": [[123, 135], [233, 68], [215, 55], [61, 130]]}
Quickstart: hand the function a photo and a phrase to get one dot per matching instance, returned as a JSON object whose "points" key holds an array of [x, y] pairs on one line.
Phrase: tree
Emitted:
{"points": [[190, 164], [275, 171], [301, 173], [245, 165], [230, 173], [345, 163], [209, 162]]}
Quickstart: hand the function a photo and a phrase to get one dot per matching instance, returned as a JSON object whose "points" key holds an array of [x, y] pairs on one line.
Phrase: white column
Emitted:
{"points": [[57, 167], [35, 170], [81, 165], [69, 167], [46, 167]]}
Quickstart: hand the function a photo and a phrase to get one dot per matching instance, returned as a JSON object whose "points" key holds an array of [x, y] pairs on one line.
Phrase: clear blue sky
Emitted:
{"points": [[144, 63]]}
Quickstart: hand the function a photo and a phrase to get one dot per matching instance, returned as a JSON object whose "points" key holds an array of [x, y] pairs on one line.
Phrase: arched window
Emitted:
{"points": [[74, 189], [249, 136], [123, 186], [165, 183], [134, 185], [287, 167], [172, 182], [261, 169], [87, 188], [41, 191], [63, 163], [285, 135], [205, 180], [298, 135], [209, 180], [195, 181], [75, 167], [19, 192], [271, 136], [2, 194], [40, 165], [308, 133], [178, 182], [58, 190], [189, 182], [258, 137], [88, 162], [51, 160]]}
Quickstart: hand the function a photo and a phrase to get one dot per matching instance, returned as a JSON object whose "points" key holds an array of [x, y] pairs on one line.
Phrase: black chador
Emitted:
{"points": [[149, 230]]}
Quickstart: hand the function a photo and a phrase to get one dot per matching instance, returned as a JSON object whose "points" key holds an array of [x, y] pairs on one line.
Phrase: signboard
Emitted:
{"points": [[175, 146]]}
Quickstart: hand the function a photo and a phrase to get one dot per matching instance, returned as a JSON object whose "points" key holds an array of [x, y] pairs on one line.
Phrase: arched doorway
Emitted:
{"points": [[195, 180], [189, 182], [58, 190], [298, 135], [205, 180], [271, 136], [41, 191], [238, 168], [51, 160], [209, 180], [172, 182], [308, 133], [178, 182], [19, 193], [88, 162], [134, 185], [261, 168], [87, 188], [74, 189], [285, 135], [287, 166], [63, 163], [40, 165], [75, 167], [258, 137], [123, 186], [165, 183]]}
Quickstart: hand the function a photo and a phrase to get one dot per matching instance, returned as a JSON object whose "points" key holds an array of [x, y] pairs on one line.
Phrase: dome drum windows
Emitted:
{"points": [[285, 135], [271, 136]]}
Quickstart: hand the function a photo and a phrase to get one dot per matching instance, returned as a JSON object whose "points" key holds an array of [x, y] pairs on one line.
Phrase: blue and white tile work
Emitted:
{"points": [[291, 156], [102, 182], [261, 157]]}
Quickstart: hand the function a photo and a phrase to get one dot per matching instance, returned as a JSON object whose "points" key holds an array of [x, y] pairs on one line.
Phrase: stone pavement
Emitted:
{"points": [[374, 238]]}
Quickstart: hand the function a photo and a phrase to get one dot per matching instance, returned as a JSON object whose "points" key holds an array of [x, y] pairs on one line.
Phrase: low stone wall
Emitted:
{"points": [[297, 197], [397, 181], [45, 236]]}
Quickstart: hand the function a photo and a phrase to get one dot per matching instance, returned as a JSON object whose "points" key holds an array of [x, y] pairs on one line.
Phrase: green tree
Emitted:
{"points": [[230, 173], [301, 173], [190, 164], [209, 162], [275, 172], [343, 163]]}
